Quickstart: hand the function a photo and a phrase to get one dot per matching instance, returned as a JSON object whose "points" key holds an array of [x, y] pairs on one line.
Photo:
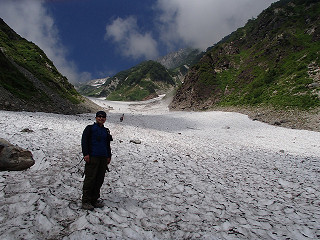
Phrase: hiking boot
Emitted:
{"points": [[98, 204], [87, 206]]}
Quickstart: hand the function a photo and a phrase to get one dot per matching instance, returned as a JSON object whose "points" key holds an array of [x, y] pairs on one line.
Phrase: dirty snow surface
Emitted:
{"points": [[195, 175]]}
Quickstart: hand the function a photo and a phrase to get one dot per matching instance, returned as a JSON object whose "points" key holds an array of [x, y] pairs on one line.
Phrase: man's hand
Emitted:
{"points": [[87, 158], [108, 161]]}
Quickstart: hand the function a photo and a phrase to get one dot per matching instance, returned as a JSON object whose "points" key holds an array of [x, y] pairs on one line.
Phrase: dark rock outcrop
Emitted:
{"points": [[14, 158]]}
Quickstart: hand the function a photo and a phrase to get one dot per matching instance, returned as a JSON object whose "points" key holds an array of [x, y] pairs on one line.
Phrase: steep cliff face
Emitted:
{"points": [[30, 82], [273, 60]]}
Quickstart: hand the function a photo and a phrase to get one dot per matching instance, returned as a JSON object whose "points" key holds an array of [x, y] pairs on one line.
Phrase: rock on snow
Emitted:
{"points": [[195, 175], [14, 158]]}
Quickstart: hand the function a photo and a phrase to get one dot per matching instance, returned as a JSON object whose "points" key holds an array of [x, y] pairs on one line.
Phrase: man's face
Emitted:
{"points": [[100, 119]]}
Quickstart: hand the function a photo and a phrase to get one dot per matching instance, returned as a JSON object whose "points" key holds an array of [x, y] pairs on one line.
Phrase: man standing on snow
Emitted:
{"points": [[96, 150]]}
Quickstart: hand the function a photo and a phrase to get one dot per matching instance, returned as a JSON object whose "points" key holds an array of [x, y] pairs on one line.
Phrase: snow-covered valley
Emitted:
{"points": [[195, 175]]}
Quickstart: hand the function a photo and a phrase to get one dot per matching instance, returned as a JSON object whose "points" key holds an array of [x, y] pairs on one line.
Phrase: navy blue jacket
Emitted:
{"points": [[95, 141]]}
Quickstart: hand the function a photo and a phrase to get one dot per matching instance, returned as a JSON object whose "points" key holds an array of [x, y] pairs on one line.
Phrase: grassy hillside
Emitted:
{"points": [[30, 81], [32, 58], [92, 88], [15, 82], [146, 79], [273, 60], [139, 83]]}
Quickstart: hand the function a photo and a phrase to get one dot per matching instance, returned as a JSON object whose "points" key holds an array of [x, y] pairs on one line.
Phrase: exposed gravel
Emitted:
{"points": [[293, 118]]}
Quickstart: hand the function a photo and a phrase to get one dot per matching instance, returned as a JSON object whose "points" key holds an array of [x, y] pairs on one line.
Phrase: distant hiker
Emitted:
{"points": [[96, 150], [122, 117]]}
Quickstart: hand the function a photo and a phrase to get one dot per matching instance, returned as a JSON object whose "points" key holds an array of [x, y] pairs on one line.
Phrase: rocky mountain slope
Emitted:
{"points": [[92, 88], [185, 56], [272, 61], [144, 81], [30, 82], [141, 82], [175, 65]]}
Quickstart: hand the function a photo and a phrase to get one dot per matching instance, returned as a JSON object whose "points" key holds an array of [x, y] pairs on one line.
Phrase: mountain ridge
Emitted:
{"points": [[30, 82], [184, 56], [271, 61], [174, 65], [143, 81]]}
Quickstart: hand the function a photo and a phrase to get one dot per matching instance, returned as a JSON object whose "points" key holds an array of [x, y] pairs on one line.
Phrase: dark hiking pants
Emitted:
{"points": [[94, 176]]}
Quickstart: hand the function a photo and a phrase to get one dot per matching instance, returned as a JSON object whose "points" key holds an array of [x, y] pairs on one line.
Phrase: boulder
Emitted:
{"points": [[136, 141], [14, 158]]}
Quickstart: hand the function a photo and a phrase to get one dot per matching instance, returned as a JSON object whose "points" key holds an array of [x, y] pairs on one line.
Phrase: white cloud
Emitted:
{"points": [[31, 20], [202, 23], [132, 43], [195, 23]]}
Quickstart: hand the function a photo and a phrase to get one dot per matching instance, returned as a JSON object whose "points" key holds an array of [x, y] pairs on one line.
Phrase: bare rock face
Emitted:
{"points": [[14, 158]]}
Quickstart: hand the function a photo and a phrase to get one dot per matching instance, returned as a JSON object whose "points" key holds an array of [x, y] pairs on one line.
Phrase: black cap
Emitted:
{"points": [[101, 113]]}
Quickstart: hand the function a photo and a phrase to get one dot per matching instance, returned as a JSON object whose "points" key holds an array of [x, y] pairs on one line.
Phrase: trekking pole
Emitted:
{"points": [[77, 163]]}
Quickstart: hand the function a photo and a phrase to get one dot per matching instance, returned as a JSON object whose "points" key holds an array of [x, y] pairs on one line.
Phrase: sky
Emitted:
{"points": [[89, 39]]}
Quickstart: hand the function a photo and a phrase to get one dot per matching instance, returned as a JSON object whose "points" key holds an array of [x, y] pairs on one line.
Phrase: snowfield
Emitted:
{"points": [[195, 175]]}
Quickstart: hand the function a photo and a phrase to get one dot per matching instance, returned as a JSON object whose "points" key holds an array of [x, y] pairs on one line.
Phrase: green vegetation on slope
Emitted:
{"points": [[32, 58], [141, 82], [14, 81], [265, 62]]}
